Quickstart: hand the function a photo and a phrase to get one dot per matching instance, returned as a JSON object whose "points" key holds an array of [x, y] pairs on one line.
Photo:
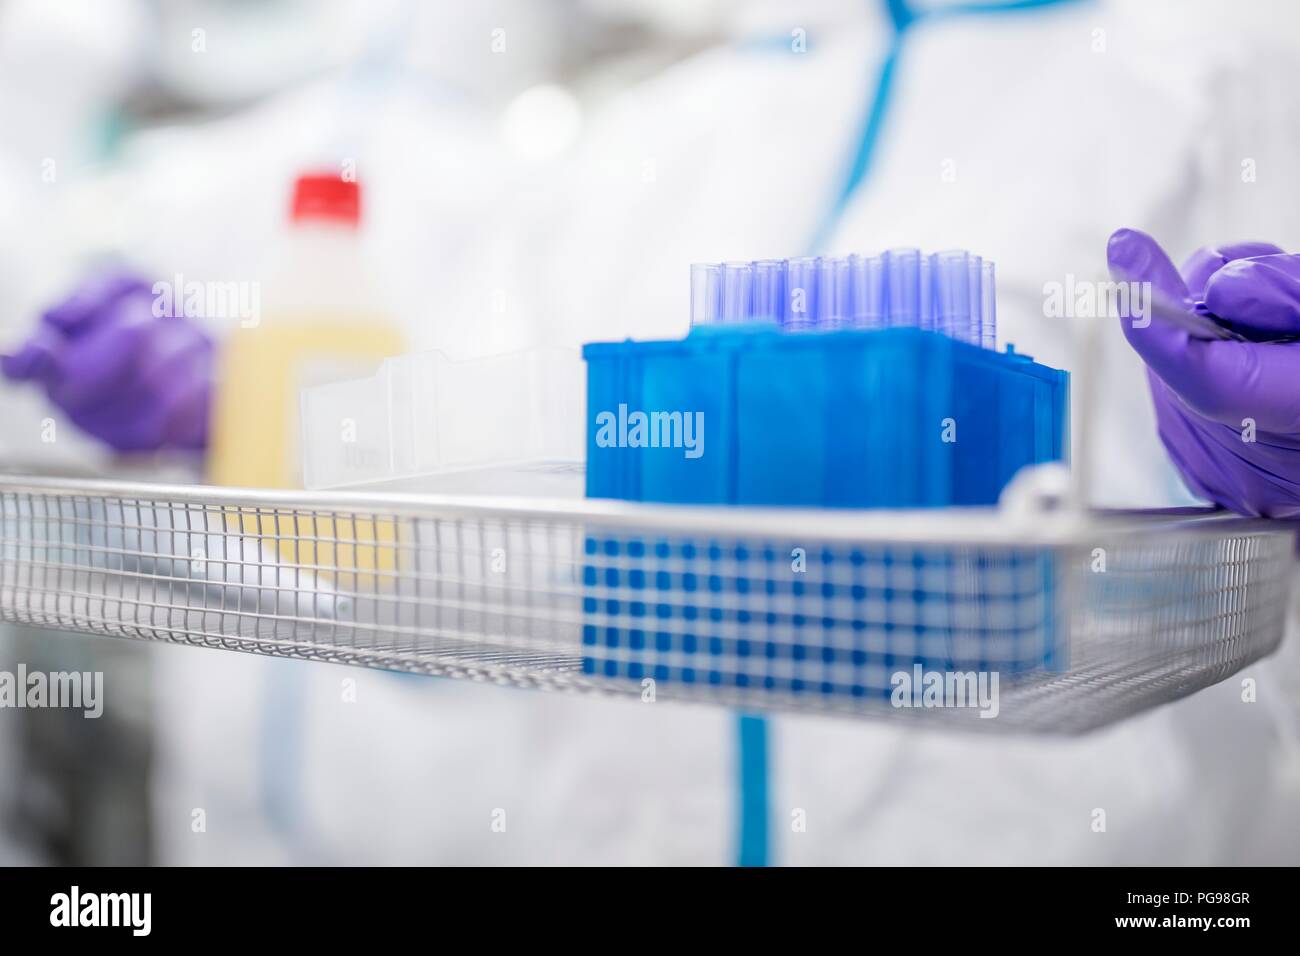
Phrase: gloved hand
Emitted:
{"points": [[135, 380], [1228, 410]]}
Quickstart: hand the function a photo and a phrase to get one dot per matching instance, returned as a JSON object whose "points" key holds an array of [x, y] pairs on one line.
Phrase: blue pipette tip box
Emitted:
{"points": [[752, 415]]}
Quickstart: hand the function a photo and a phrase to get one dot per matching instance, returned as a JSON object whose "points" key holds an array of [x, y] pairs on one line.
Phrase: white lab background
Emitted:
{"points": [[544, 172]]}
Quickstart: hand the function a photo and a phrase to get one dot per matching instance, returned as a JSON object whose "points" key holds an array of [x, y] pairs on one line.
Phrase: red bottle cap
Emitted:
{"points": [[326, 197]]}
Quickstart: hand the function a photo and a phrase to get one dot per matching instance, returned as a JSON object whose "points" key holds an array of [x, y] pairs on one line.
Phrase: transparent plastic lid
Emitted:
{"points": [[426, 415]]}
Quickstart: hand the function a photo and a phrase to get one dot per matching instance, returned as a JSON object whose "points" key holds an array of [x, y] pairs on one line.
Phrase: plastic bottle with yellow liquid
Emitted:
{"points": [[321, 321]]}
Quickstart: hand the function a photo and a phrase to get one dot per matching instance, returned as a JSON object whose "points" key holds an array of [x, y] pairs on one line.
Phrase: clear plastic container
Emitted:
{"points": [[504, 424]]}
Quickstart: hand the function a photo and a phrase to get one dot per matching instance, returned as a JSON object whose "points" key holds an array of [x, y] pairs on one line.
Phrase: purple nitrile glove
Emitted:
{"points": [[135, 380], [1228, 410]]}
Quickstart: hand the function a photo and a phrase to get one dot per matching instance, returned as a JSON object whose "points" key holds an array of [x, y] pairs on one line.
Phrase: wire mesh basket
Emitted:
{"points": [[1051, 622]]}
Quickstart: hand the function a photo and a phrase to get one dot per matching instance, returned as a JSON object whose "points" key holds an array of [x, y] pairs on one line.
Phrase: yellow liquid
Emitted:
{"points": [[255, 436]]}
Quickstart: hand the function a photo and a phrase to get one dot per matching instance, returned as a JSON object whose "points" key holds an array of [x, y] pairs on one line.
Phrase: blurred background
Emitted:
{"points": [[544, 172]]}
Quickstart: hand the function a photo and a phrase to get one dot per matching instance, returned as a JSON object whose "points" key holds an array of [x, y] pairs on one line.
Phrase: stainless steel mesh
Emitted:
{"points": [[1081, 622]]}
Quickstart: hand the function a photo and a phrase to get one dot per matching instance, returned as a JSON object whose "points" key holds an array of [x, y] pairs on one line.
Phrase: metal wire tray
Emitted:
{"points": [[1083, 619]]}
